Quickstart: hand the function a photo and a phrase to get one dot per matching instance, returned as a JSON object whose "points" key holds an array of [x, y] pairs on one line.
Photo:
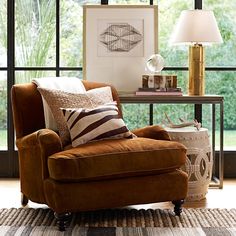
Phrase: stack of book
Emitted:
{"points": [[159, 92]]}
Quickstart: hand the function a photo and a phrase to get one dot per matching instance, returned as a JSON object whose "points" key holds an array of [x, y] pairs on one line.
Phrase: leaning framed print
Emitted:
{"points": [[117, 41]]}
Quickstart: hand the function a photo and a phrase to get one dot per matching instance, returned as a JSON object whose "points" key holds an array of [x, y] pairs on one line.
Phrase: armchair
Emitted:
{"points": [[103, 174]]}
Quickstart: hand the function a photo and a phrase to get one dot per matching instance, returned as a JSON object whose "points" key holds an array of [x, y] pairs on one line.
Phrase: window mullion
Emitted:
{"points": [[10, 81], [198, 4], [57, 37]]}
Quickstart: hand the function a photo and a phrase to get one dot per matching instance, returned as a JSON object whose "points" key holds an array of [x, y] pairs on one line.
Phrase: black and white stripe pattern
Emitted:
{"points": [[123, 217], [114, 231], [93, 124]]}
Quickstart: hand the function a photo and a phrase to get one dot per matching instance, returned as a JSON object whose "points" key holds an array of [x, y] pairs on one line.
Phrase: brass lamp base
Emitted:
{"points": [[196, 70]]}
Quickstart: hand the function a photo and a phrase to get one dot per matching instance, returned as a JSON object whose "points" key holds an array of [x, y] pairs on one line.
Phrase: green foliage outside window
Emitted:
{"points": [[35, 27], [3, 104]]}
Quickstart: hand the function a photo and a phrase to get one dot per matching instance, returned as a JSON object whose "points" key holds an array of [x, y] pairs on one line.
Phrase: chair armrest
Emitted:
{"points": [[153, 132], [42, 144]]}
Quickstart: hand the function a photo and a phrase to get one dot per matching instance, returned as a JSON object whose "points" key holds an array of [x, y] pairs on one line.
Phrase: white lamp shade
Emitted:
{"points": [[196, 26]]}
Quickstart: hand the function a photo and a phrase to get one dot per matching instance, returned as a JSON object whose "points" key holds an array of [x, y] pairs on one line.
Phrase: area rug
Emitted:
{"points": [[120, 222]]}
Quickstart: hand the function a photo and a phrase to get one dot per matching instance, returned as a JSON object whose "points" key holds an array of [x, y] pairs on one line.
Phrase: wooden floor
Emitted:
{"points": [[215, 198]]}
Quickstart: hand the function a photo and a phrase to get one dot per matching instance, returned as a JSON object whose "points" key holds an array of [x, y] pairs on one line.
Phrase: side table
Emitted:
{"points": [[199, 162], [212, 100]]}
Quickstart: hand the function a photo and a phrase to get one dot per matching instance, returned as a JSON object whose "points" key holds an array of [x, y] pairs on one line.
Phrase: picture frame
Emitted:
{"points": [[117, 41]]}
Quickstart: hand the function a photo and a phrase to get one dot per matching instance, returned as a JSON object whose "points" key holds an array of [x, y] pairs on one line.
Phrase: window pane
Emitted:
{"points": [[169, 12], [174, 112], [71, 25], [145, 2], [225, 13], [3, 110], [223, 83], [78, 74], [71, 35], [27, 76], [132, 117], [35, 30], [3, 33]]}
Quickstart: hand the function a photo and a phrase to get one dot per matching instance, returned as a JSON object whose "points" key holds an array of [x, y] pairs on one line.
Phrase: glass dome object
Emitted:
{"points": [[155, 63]]}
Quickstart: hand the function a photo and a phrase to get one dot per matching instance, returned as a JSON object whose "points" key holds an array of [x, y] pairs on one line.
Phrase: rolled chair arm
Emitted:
{"points": [[49, 141], [27, 141], [46, 140], [153, 132]]}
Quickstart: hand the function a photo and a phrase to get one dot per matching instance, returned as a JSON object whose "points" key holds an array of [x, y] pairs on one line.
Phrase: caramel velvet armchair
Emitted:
{"points": [[96, 175]]}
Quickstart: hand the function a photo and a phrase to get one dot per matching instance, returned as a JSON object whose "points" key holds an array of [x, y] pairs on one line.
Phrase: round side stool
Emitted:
{"points": [[199, 162]]}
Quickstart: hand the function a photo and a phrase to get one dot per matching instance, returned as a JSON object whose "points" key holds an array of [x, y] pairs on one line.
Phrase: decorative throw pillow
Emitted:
{"points": [[57, 99], [102, 122]]}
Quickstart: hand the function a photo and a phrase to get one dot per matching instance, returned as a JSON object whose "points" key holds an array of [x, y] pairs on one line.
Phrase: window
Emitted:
{"points": [[71, 27], [44, 38], [223, 54], [3, 110], [221, 58], [223, 83], [27, 76], [138, 2], [35, 27], [3, 34], [169, 12], [3, 75]]}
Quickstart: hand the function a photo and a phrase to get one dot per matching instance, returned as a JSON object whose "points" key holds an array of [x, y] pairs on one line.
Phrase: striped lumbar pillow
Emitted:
{"points": [[102, 122]]}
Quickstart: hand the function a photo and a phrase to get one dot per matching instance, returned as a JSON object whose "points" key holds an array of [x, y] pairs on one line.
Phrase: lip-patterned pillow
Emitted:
{"points": [[57, 99], [102, 122]]}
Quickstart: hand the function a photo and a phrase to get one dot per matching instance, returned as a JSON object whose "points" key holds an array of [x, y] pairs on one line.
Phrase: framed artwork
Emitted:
{"points": [[117, 41]]}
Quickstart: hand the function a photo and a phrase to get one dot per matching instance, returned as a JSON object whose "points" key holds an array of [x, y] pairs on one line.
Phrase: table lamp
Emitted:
{"points": [[196, 28]]}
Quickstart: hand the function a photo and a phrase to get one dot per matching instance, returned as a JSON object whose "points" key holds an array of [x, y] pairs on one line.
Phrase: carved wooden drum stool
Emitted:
{"points": [[199, 162]]}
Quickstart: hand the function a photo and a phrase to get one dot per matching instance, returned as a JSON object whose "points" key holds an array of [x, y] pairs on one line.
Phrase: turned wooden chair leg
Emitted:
{"points": [[63, 220], [24, 200], [178, 207]]}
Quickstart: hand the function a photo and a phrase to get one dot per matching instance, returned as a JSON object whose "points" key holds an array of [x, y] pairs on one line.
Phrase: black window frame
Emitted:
{"points": [[8, 158]]}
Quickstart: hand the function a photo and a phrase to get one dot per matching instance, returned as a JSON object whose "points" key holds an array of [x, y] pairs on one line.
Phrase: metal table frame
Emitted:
{"points": [[213, 100]]}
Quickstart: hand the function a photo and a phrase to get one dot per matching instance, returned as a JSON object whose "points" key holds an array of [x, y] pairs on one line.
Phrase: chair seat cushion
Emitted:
{"points": [[116, 158]]}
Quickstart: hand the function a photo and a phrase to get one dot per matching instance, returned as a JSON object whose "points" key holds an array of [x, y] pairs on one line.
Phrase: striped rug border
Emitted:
{"points": [[123, 218], [115, 231]]}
